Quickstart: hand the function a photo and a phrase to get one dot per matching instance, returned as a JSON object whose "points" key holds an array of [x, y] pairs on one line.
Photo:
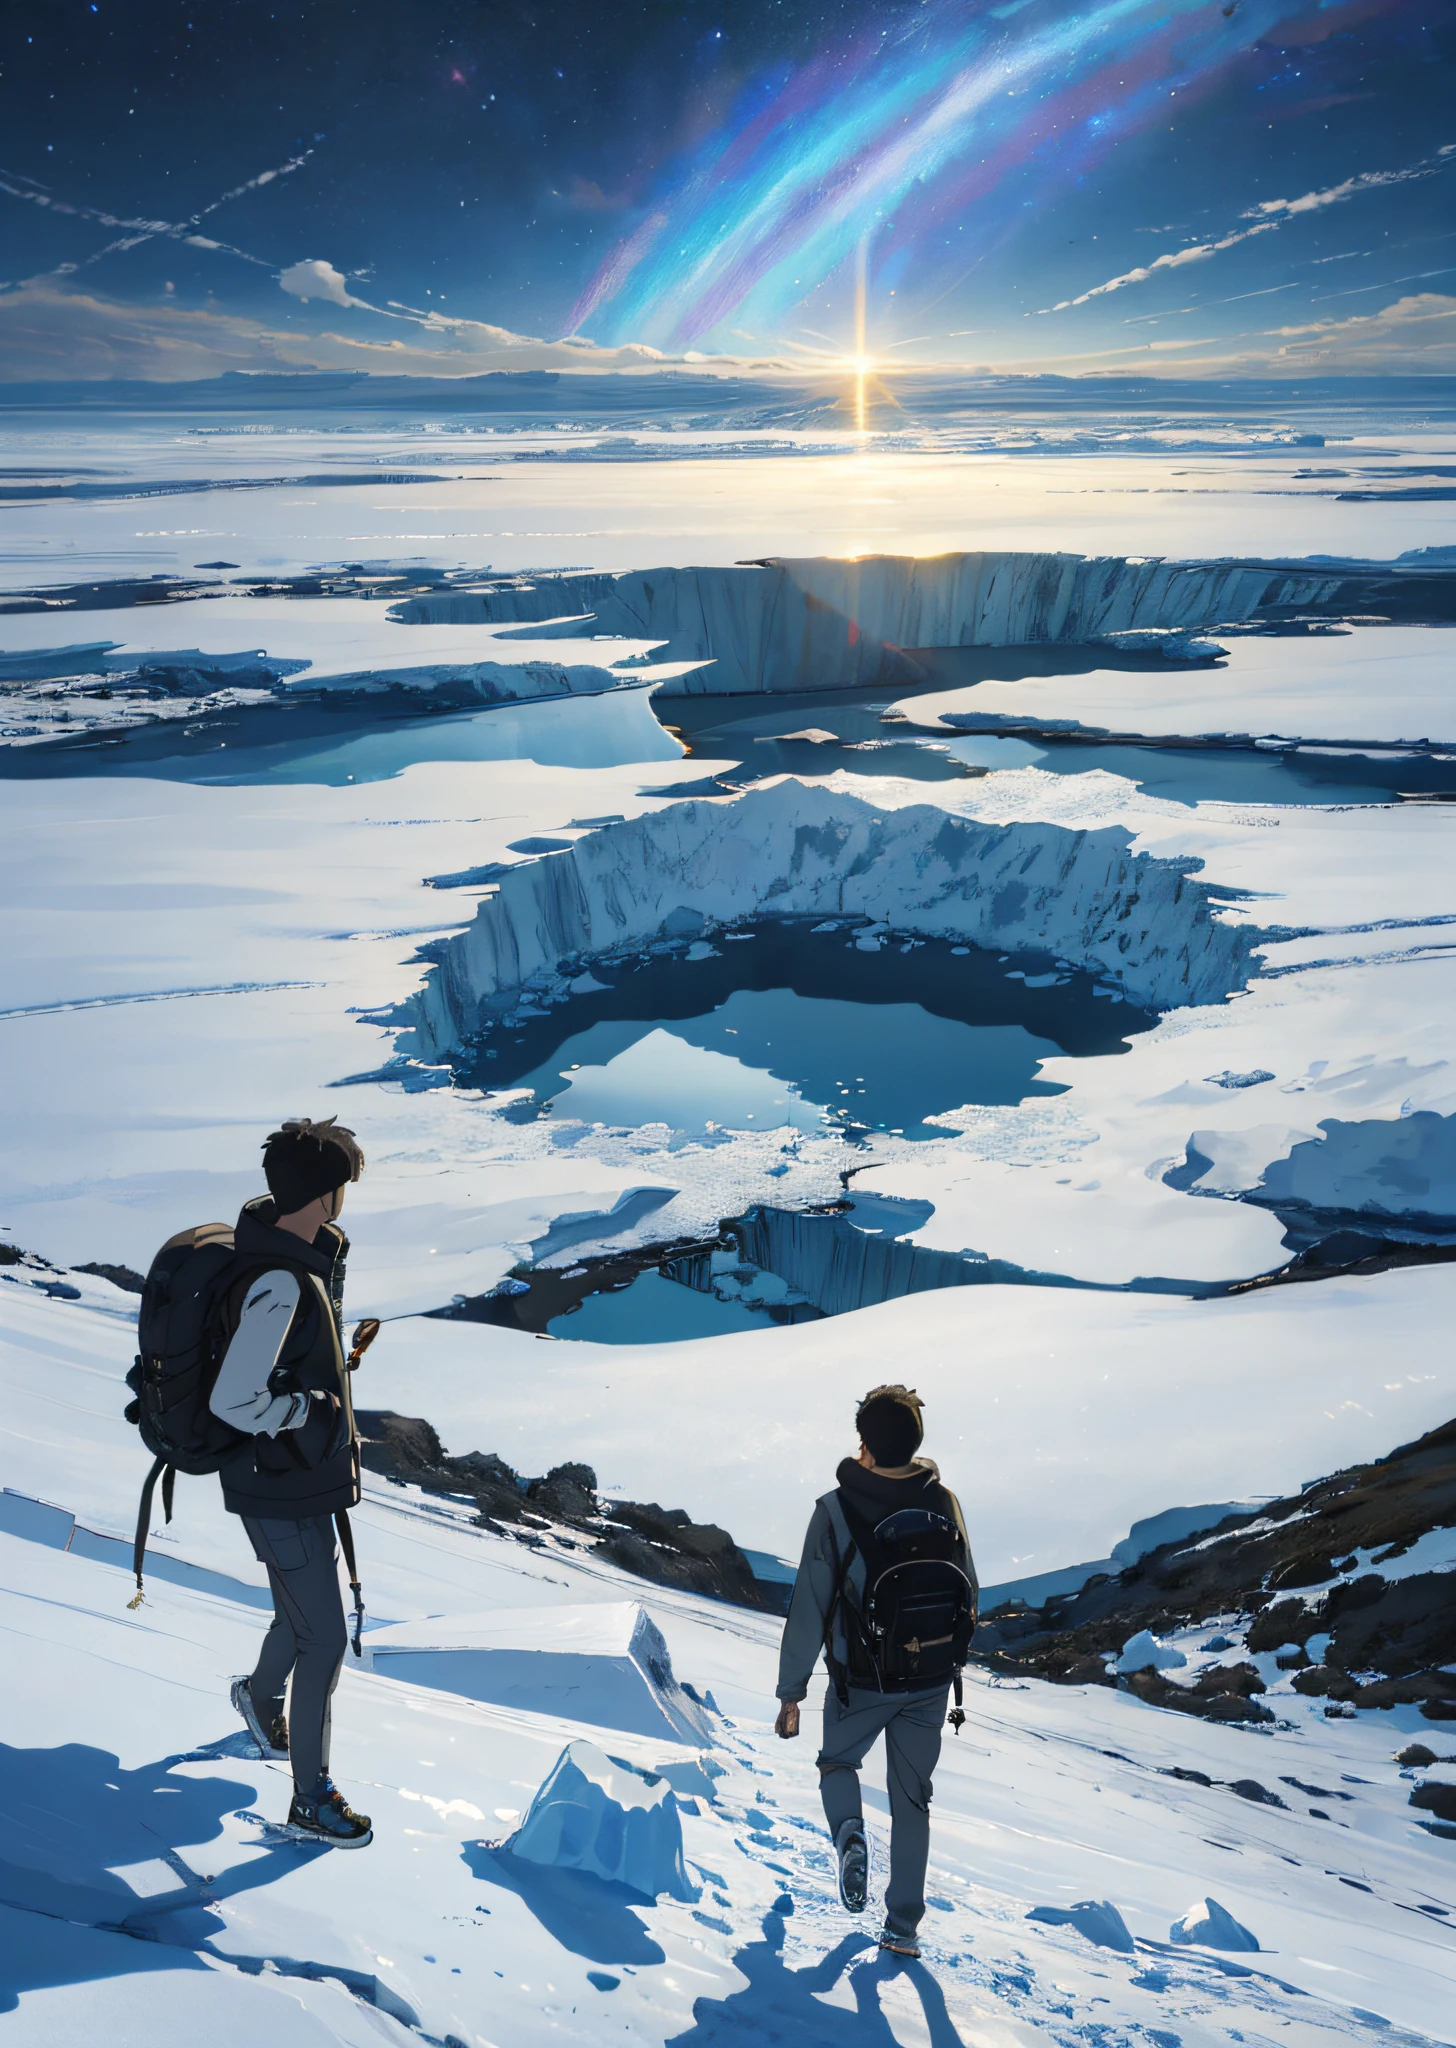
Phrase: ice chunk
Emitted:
{"points": [[691, 1777], [1210, 1925], [1144, 1652], [1172, 643], [597, 1814], [1097, 1919]]}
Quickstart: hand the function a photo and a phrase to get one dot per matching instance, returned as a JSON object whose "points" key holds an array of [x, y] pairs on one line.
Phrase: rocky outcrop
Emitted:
{"points": [[663, 1545], [1315, 1581]]}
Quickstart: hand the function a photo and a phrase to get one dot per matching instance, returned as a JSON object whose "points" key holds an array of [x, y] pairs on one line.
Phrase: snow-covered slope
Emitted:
{"points": [[144, 1897]]}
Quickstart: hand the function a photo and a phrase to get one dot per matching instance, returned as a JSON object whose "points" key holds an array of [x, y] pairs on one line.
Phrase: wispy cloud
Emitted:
{"points": [[1267, 216], [137, 231], [56, 330], [1175, 259]]}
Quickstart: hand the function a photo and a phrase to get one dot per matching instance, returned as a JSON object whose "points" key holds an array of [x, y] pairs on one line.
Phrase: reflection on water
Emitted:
{"points": [[342, 738], [798, 1024], [769, 1058], [310, 743], [654, 1310], [825, 735]]}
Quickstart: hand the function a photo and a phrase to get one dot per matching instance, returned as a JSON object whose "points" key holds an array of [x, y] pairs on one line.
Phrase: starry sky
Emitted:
{"points": [[1183, 186]]}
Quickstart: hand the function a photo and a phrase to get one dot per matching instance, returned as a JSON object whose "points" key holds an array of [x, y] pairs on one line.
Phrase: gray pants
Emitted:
{"points": [[307, 1639], [911, 1723]]}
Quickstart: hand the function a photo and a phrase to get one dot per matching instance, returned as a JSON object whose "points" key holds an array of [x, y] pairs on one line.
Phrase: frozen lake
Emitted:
{"points": [[279, 662]]}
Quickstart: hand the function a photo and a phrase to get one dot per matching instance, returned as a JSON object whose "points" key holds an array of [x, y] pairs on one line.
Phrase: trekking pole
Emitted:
{"points": [[364, 1335], [346, 1544]]}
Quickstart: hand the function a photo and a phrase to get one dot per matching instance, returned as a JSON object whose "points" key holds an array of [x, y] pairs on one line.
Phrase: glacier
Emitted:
{"points": [[816, 623], [799, 849]]}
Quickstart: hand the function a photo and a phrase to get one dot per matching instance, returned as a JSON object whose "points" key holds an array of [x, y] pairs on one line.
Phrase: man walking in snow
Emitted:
{"points": [[887, 1589], [284, 1385]]}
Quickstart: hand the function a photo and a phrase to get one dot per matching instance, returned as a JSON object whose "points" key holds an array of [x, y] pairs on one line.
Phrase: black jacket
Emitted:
{"points": [[313, 1470]]}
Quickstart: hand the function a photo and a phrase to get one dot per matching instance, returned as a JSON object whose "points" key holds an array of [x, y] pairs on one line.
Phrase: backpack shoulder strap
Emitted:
{"points": [[833, 1507], [969, 1561], [846, 1552]]}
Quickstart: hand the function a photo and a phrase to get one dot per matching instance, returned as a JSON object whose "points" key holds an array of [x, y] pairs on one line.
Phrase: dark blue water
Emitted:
{"points": [[767, 1058], [793, 1026], [742, 740], [747, 742]]}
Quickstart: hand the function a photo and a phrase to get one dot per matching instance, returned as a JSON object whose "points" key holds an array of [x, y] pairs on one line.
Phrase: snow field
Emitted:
{"points": [[118, 1721], [1383, 685], [616, 516]]}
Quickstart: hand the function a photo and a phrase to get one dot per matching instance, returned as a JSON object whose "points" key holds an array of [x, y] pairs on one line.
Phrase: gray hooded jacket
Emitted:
{"points": [[875, 1496]]}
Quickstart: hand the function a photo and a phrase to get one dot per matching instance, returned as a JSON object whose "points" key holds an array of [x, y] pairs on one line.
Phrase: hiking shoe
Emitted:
{"points": [[272, 1739], [853, 1853], [900, 1944], [322, 1816]]}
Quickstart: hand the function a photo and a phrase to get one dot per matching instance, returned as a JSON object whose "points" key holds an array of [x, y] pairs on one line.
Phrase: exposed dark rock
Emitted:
{"points": [[399, 1446], [663, 1545], [10, 1255], [1346, 1253], [124, 1277], [1399, 1635], [1415, 1756], [1242, 1679], [1435, 1798], [1409, 1627], [568, 1491], [1250, 1788]]}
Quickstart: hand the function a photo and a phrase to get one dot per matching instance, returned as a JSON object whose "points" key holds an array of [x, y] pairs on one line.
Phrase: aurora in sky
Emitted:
{"points": [[914, 152]]}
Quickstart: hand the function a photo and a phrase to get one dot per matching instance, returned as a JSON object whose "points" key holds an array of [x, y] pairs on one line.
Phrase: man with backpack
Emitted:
{"points": [[252, 1320], [887, 1589]]}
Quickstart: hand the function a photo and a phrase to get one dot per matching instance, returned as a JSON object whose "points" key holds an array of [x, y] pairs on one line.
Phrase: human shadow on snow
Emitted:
{"points": [[591, 1916], [73, 1821], [783, 2005]]}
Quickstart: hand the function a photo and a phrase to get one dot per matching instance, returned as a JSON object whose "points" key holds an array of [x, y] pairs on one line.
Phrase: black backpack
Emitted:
{"points": [[181, 1329], [911, 1627]]}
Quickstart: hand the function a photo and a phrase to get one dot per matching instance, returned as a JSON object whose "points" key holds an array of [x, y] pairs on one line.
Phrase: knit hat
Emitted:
{"points": [[304, 1160], [889, 1424]]}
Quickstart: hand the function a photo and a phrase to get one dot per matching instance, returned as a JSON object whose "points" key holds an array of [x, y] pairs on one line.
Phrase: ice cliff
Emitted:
{"points": [[827, 624], [795, 849]]}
